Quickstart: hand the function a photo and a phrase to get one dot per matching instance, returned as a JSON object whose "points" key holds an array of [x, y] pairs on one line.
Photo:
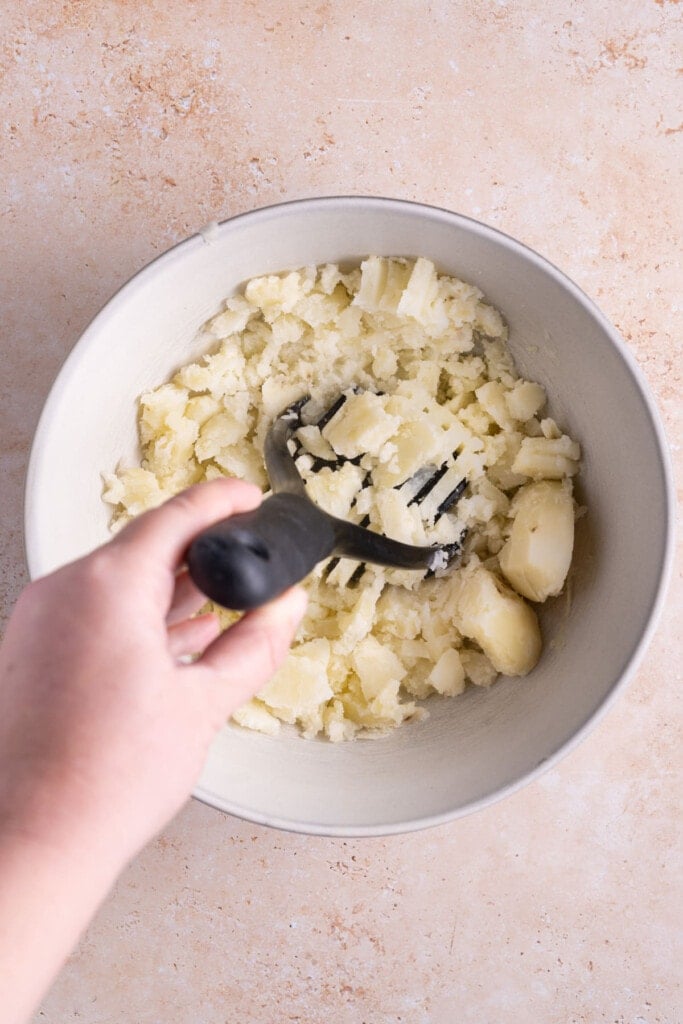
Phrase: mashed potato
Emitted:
{"points": [[430, 385]]}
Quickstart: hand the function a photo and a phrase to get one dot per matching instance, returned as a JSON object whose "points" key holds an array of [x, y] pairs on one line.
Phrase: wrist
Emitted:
{"points": [[50, 889], [52, 825]]}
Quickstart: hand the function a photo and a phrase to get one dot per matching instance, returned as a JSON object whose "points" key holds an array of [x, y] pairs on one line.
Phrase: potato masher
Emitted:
{"points": [[248, 559]]}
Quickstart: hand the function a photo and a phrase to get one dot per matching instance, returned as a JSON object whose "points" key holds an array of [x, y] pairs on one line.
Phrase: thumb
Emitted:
{"points": [[241, 661]]}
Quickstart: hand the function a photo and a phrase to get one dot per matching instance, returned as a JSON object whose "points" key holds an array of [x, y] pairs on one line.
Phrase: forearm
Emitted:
{"points": [[48, 894], [104, 728]]}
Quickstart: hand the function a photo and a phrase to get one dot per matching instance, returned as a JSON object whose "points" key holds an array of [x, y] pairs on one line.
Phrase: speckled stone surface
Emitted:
{"points": [[127, 126]]}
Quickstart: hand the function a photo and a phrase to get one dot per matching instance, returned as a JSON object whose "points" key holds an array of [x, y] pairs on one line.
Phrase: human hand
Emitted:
{"points": [[103, 733]]}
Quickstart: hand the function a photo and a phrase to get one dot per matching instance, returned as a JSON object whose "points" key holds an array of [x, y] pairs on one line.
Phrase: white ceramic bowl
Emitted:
{"points": [[478, 747]]}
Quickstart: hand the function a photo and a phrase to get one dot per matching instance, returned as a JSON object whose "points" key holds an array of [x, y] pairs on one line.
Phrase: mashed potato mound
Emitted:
{"points": [[430, 384]]}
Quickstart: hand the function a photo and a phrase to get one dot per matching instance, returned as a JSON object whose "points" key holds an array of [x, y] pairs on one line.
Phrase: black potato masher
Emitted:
{"points": [[246, 560]]}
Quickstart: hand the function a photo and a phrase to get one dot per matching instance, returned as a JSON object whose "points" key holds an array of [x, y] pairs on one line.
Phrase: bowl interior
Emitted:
{"points": [[475, 747]]}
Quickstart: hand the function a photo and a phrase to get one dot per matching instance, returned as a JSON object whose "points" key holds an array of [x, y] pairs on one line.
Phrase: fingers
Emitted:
{"points": [[192, 636], [186, 599], [159, 538], [239, 663]]}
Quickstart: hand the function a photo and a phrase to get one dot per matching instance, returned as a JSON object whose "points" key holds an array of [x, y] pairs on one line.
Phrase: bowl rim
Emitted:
{"points": [[207, 236]]}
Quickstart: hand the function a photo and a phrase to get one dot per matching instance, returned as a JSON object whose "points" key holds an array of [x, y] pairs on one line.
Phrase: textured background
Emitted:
{"points": [[127, 126]]}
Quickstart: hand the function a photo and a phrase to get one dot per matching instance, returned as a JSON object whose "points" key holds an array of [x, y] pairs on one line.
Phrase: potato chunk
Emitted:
{"points": [[301, 684], [549, 458], [361, 425], [448, 675], [500, 621], [537, 555]]}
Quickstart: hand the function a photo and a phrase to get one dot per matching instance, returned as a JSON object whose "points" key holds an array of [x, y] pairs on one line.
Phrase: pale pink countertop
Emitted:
{"points": [[127, 126]]}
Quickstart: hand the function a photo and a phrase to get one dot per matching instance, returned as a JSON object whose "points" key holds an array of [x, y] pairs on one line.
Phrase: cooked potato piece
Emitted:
{"points": [[415, 444], [378, 668], [448, 675], [372, 282], [301, 685], [536, 557], [500, 621], [361, 425], [478, 668], [524, 400], [256, 716], [547, 458]]}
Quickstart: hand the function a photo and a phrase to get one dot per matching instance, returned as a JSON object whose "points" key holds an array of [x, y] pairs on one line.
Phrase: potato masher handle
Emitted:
{"points": [[246, 560]]}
